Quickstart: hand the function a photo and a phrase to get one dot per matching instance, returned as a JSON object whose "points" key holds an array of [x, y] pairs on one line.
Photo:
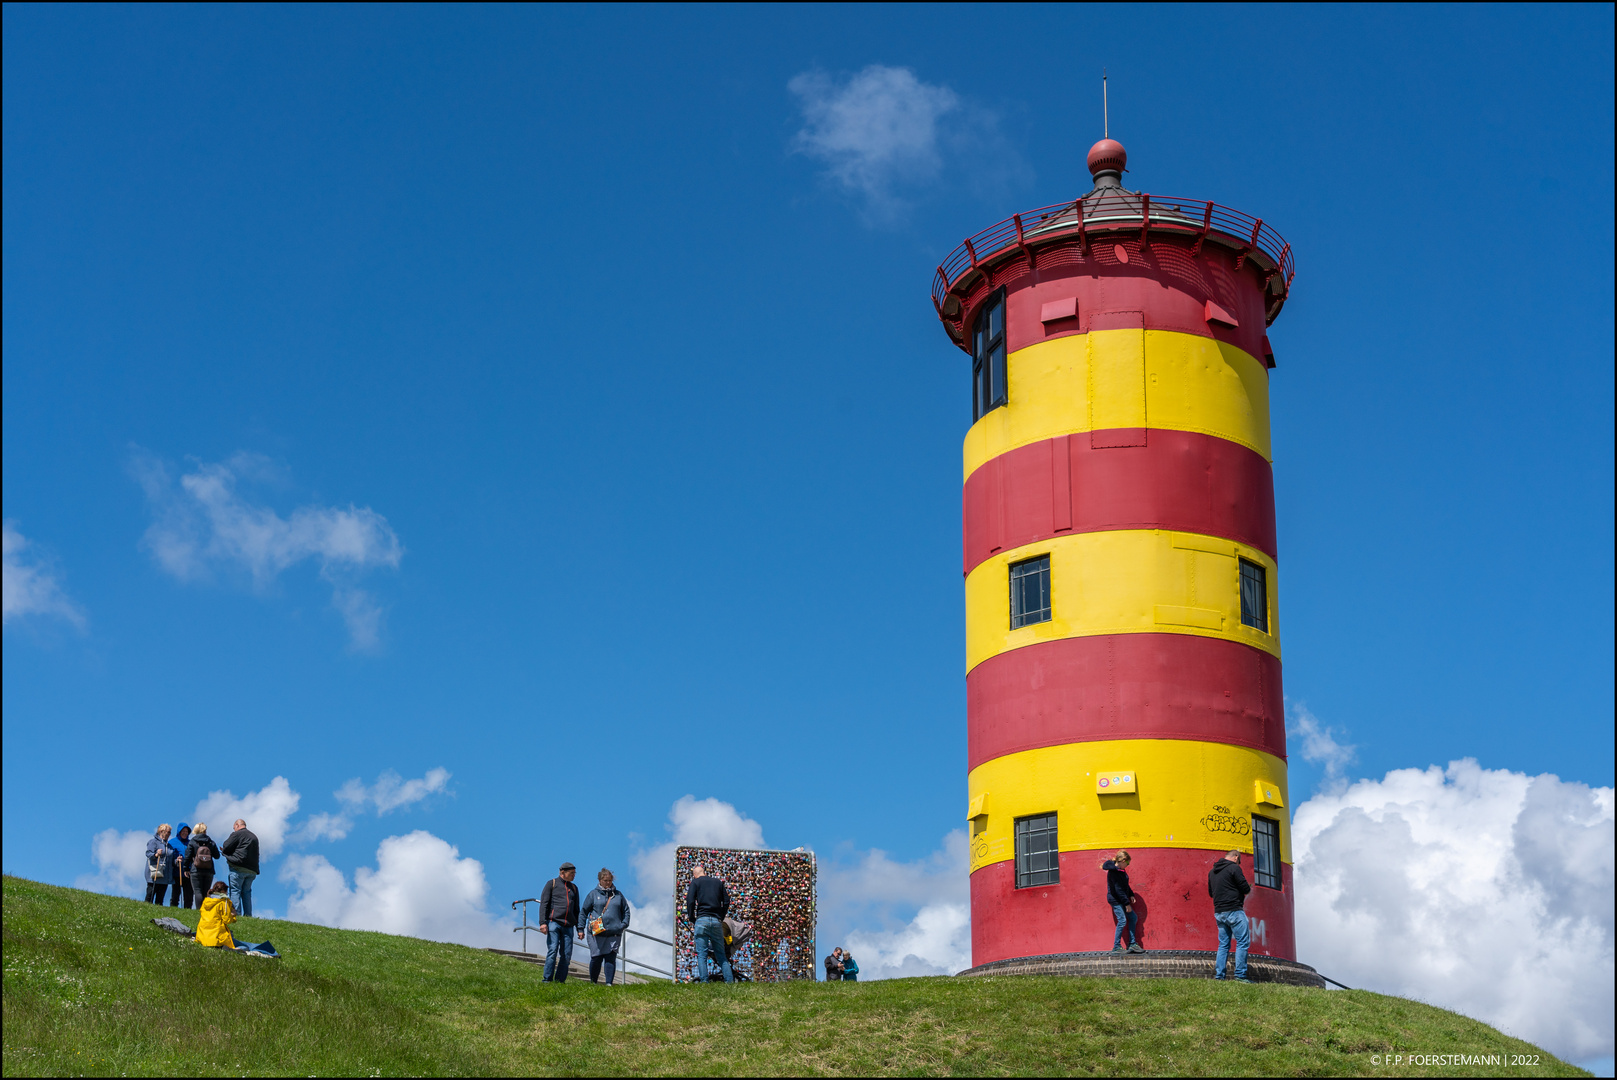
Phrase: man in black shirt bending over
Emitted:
{"points": [[707, 902]]}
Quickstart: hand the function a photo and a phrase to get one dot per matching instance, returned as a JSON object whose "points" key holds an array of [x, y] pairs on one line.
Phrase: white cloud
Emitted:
{"points": [[874, 130], [1481, 890], [202, 523], [266, 812], [28, 587], [883, 131], [868, 902], [391, 791], [323, 827], [1319, 745], [936, 942], [421, 887], [120, 863], [691, 822]]}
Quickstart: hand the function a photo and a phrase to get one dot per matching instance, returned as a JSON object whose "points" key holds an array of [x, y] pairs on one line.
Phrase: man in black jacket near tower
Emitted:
{"points": [[558, 907], [707, 902], [1228, 888]]}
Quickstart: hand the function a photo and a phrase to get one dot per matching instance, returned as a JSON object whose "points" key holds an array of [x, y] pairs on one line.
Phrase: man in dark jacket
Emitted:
{"points": [[707, 902], [833, 965], [1120, 895], [558, 907], [241, 854], [1228, 888]]}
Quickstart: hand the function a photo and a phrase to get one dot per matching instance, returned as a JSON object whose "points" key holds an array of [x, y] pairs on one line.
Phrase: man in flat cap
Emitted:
{"points": [[558, 907]]}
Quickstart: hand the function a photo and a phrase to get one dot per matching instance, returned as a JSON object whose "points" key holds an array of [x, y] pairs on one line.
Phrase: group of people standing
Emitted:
{"points": [[839, 966], [603, 916], [187, 861], [1227, 886]]}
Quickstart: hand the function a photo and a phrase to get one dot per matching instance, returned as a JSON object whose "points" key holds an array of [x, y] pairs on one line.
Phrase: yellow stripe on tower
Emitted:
{"points": [[1188, 795], [1128, 581], [1126, 379]]}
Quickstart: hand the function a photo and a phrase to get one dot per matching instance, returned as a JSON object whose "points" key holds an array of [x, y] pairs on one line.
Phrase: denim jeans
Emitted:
{"points": [[1231, 923], [558, 951], [609, 961], [1131, 919], [241, 890], [710, 942]]}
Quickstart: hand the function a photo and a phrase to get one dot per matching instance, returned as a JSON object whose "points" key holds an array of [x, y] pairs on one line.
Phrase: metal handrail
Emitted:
{"points": [[1114, 210], [623, 953]]}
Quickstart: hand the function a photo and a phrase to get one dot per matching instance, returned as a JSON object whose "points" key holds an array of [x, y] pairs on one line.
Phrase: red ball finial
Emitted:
{"points": [[1107, 155]]}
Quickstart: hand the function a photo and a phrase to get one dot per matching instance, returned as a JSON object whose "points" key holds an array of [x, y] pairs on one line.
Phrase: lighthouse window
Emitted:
{"points": [[1038, 860], [1030, 592], [1254, 596], [988, 357], [1266, 852]]}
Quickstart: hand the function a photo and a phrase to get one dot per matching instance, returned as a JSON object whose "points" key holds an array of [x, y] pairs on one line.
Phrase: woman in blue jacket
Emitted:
{"points": [[850, 970]]}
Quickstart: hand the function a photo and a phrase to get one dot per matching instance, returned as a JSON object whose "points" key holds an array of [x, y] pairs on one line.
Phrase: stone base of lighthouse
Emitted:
{"points": [[1170, 964]]}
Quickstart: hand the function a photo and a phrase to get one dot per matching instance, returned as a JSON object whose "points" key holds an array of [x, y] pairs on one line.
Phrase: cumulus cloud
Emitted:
{"points": [[27, 586], [691, 822], [867, 901], [390, 792], [120, 862], [421, 887], [1485, 891], [202, 523], [1318, 743], [266, 811]]}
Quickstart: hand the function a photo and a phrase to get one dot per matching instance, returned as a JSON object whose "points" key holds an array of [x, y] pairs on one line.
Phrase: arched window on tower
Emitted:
{"points": [[988, 357]]}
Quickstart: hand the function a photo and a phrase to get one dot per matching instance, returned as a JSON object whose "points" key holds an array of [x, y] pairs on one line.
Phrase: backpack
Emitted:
{"points": [[203, 859]]}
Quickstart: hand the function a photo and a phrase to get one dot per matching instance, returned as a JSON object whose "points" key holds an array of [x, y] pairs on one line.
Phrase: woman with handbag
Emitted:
{"points": [[604, 916], [159, 865]]}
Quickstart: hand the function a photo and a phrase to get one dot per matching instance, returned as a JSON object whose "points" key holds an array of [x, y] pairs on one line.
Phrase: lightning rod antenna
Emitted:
{"points": [[1105, 108]]}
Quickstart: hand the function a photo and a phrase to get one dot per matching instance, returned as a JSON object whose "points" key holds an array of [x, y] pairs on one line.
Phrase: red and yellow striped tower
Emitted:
{"points": [[1122, 633]]}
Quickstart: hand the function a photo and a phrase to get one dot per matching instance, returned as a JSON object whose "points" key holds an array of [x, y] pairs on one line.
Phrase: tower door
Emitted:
{"points": [[1116, 362]]}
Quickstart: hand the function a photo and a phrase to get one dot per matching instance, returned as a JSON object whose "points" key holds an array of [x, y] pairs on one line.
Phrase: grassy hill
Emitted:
{"points": [[91, 986]]}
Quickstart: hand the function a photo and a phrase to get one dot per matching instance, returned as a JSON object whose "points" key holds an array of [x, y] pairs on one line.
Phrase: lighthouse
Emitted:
{"points": [[1121, 570]]}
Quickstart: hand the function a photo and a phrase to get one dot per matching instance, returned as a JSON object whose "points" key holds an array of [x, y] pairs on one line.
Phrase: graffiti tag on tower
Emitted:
{"points": [[1219, 819]]}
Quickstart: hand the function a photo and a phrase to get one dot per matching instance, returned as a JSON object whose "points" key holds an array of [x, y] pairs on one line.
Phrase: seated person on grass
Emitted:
{"points": [[213, 928]]}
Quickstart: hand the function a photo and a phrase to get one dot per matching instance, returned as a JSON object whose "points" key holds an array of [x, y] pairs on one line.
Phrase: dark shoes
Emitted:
{"points": [[1119, 948], [1136, 947]]}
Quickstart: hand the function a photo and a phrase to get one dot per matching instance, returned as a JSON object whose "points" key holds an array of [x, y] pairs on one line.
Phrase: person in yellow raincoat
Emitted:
{"points": [[213, 929]]}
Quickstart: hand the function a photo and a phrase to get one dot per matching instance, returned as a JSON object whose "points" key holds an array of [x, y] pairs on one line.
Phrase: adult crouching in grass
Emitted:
{"points": [[213, 927]]}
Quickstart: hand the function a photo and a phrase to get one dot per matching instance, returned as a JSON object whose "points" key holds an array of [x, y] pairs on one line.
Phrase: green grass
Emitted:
{"points": [[92, 987]]}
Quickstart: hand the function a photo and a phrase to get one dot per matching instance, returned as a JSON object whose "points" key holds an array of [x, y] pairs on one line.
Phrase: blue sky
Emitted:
{"points": [[551, 396]]}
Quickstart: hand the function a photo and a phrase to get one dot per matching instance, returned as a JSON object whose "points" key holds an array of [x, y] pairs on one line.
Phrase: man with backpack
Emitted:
{"points": [[1228, 888], [558, 908]]}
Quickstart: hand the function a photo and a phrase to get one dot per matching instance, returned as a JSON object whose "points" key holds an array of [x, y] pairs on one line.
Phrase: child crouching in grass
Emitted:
{"points": [[1121, 897]]}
